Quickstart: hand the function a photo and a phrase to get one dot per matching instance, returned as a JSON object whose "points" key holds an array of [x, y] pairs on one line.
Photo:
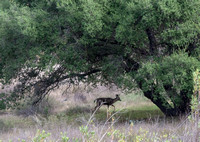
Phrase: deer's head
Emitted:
{"points": [[117, 97]]}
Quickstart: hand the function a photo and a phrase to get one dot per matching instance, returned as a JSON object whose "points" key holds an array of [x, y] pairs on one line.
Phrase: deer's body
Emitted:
{"points": [[106, 101]]}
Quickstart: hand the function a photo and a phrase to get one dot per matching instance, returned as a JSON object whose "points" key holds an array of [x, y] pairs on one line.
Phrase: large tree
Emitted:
{"points": [[151, 45]]}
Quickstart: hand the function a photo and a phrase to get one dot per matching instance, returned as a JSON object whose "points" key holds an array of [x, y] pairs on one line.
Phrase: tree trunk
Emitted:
{"points": [[184, 107], [152, 41], [161, 103], [165, 107]]}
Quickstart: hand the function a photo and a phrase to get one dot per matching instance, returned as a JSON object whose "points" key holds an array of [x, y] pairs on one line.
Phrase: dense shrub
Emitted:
{"points": [[169, 80]]}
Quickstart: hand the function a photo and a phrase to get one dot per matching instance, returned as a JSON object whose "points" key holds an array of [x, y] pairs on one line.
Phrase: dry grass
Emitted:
{"points": [[158, 129], [136, 119]]}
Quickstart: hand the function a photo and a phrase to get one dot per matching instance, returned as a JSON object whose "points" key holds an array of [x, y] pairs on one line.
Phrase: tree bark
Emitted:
{"points": [[184, 107], [161, 103], [152, 41]]}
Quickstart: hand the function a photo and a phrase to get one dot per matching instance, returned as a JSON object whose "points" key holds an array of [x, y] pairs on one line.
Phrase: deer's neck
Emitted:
{"points": [[114, 100]]}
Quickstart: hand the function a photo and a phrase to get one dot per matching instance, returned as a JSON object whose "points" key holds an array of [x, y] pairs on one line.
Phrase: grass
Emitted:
{"points": [[132, 107], [55, 129], [136, 119]]}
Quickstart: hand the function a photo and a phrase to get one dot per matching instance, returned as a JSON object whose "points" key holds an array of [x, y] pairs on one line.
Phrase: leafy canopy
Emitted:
{"points": [[131, 43]]}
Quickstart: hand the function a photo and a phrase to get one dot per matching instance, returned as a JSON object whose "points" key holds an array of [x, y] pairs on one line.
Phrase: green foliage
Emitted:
{"points": [[9, 100], [18, 32], [87, 134], [41, 136], [176, 69], [169, 76], [5, 4], [69, 39], [64, 137], [175, 22]]}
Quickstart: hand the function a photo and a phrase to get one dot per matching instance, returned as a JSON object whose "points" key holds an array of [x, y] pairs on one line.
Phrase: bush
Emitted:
{"points": [[170, 79]]}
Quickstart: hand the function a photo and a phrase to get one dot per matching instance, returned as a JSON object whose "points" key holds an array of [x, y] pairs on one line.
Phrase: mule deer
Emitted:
{"points": [[106, 101]]}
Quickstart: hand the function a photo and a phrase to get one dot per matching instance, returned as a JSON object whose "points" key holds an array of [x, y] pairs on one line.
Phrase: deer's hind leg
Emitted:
{"points": [[95, 109]]}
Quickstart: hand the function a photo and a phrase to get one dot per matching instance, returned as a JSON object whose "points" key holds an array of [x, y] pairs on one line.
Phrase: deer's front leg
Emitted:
{"points": [[107, 111], [113, 106]]}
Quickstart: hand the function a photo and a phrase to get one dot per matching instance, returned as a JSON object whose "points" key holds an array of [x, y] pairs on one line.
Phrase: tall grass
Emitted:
{"points": [[89, 129], [59, 120]]}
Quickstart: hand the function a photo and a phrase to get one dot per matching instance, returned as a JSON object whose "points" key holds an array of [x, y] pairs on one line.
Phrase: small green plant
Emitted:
{"points": [[87, 135], [195, 105], [19, 140], [196, 97], [41, 136], [64, 137], [196, 91]]}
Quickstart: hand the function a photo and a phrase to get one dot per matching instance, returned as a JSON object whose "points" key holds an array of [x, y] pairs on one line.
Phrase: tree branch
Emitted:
{"points": [[152, 41], [44, 86]]}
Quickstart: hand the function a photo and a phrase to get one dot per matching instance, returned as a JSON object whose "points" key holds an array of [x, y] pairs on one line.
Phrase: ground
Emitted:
{"points": [[67, 117]]}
